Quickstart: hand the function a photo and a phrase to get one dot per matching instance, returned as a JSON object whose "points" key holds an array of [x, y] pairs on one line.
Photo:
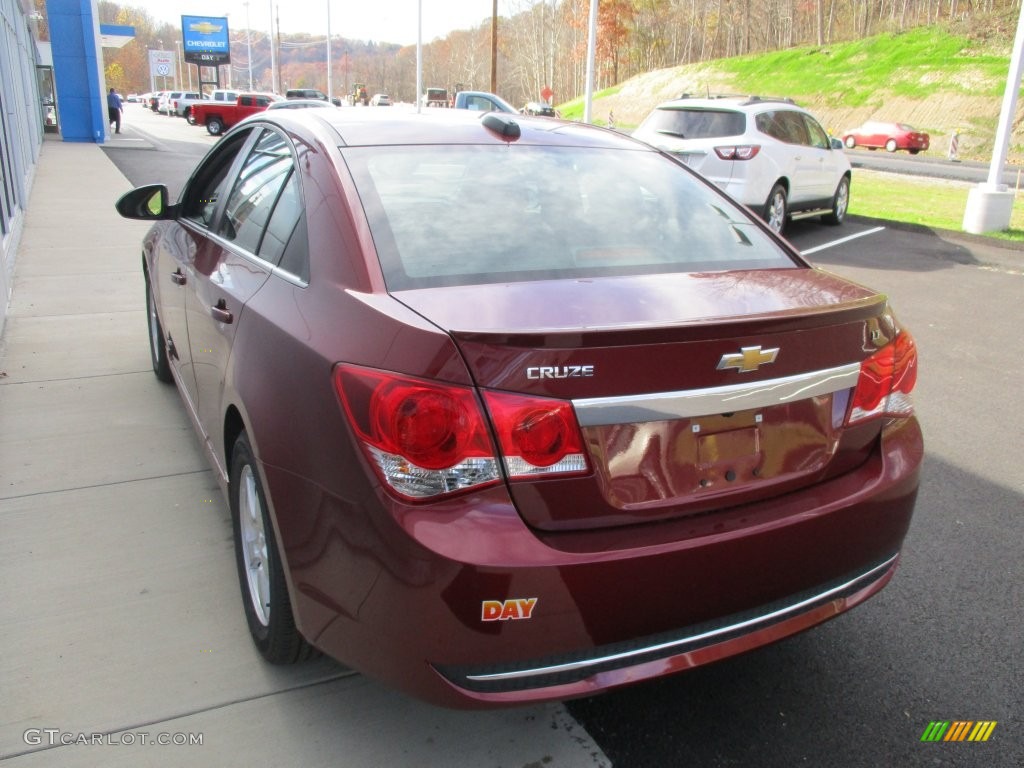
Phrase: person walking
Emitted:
{"points": [[114, 109]]}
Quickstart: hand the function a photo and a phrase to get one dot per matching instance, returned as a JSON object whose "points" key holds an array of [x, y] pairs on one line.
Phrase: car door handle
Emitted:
{"points": [[220, 313], [177, 278]]}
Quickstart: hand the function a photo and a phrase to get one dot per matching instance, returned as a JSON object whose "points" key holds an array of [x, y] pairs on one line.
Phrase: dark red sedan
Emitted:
{"points": [[511, 409], [892, 136]]}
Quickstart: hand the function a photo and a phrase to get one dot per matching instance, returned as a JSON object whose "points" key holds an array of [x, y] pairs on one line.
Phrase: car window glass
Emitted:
{"points": [[479, 103], [457, 215], [784, 125], [260, 181], [210, 181], [697, 123], [295, 259], [817, 136], [288, 212]]}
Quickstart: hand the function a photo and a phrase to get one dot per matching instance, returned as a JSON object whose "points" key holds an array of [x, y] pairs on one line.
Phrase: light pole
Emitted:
{"points": [[230, 65], [273, 54], [162, 53], [329, 92], [248, 41], [177, 47]]}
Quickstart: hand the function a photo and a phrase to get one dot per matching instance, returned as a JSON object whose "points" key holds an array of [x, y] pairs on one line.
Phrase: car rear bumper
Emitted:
{"points": [[464, 605]]}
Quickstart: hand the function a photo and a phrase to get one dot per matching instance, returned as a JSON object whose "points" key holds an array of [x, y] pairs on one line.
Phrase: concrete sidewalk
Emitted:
{"points": [[121, 611]]}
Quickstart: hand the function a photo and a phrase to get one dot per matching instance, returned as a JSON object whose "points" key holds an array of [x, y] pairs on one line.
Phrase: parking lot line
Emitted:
{"points": [[840, 241]]}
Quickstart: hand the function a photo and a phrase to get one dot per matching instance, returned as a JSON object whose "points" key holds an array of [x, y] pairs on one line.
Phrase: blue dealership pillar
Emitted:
{"points": [[77, 69]]}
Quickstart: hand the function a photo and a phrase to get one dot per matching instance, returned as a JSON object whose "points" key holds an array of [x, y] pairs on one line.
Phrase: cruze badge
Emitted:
{"points": [[559, 371], [748, 359]]}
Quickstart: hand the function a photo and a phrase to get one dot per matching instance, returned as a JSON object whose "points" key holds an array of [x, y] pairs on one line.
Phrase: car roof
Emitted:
{"points": [[403, 126], [299, 103], [752, 103]]}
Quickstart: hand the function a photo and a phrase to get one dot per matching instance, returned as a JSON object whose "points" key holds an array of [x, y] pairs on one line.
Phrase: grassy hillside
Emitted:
{"points": [[934, 78]]}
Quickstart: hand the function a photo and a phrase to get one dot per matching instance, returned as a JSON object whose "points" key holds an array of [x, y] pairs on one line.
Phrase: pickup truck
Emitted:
{"points": [[481, 101], [219, 116], [182, 107]]}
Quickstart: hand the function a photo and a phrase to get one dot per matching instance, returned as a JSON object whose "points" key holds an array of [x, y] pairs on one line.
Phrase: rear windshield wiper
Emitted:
{"points": [[667, 132]]}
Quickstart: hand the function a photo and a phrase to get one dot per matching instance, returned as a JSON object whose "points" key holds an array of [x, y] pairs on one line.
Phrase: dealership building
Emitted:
{"points": [[46, 87]]}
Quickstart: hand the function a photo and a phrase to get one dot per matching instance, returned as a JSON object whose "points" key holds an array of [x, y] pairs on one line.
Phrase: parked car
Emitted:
{"points": [[769, 154], [219, 116], [154, 100], [874, 135], [434, 97], [305, 93], [299, 104], [380, 100], [481, 101], [509, 414], [167, 99], [539, 108], [224, 94], [182, 105]]}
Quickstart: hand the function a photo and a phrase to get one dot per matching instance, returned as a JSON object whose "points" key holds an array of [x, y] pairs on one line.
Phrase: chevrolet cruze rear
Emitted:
{"points": [[510, 409]]}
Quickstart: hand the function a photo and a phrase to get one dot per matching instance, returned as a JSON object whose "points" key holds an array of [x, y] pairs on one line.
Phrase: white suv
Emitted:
{"points": [[769, 154]]}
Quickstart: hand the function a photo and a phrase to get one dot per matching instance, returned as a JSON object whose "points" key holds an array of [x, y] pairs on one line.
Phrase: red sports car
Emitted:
{"points": [[892, 136], [510, 409]]}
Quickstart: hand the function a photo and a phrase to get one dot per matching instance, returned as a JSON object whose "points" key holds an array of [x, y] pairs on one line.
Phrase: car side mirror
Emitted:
{"points": [[147, 203]]}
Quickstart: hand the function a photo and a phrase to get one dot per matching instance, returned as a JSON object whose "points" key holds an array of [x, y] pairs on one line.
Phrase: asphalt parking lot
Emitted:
{"points": [[121, 620]]}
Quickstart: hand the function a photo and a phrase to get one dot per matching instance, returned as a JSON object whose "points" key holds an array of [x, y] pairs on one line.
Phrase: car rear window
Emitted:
{"points": [[694, 123], [460, 215]]}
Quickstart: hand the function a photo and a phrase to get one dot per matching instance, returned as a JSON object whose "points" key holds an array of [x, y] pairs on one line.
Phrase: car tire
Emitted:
{"points": [[890, 145], [840, 202], [850, 142], [913, 151], [776, 209], [189, 118], [157, 342], [214, 126], [268, 610]]}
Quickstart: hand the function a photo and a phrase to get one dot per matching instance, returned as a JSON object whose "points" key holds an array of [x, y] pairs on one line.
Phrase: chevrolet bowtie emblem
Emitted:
{"points": [[205, 28], [748, 359]]}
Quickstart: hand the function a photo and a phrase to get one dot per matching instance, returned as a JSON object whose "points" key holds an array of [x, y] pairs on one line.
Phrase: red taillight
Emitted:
{"points": [[427, 439], [424, 438], [738, 152], [886, 380], [538, 436]]}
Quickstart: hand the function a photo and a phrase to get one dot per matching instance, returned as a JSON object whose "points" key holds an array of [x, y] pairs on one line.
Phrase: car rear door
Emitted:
{"points": [[184, 252], [233, 269], [792, 152], [830, 165]]}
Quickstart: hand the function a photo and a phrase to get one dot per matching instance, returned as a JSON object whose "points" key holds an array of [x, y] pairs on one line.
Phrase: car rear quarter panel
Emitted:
{"points": [[287, 343]]}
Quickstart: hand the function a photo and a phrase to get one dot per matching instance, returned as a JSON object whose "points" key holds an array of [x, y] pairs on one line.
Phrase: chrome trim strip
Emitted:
{"points": [[769, 617], [663, 406]]}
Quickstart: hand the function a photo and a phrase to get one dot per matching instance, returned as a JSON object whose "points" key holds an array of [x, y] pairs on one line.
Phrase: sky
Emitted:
{"points": [[387, 21]]}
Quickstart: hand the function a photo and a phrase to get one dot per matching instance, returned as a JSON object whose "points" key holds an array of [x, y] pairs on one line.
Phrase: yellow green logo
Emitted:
{"points": [[958, 730]]}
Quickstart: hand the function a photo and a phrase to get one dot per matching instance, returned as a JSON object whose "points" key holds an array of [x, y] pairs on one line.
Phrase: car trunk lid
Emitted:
{"points": [[694, 391]]}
